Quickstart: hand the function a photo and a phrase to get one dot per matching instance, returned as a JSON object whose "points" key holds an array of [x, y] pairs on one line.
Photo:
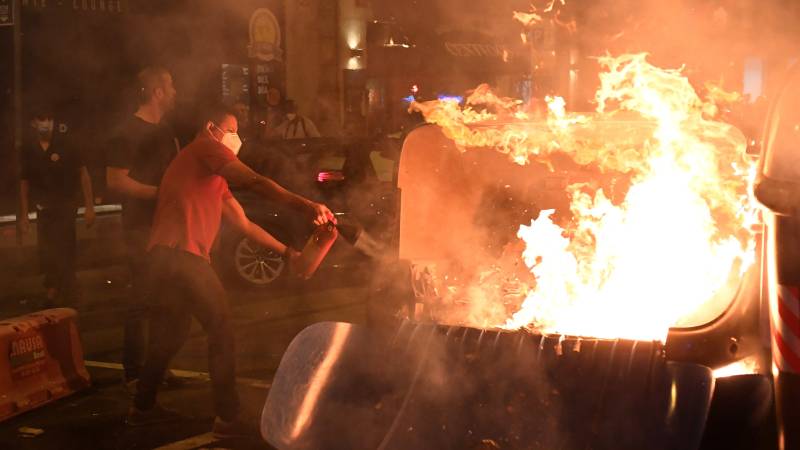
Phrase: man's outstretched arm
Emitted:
{"points": [[238, 174], [234, 214]]}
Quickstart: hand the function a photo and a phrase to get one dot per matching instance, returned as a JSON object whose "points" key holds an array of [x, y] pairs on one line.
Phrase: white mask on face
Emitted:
{"points": [[230, 140], [44, 126]]}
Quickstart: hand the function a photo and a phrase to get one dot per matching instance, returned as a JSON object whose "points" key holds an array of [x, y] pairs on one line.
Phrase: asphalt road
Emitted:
{"points": [[265, 322]]}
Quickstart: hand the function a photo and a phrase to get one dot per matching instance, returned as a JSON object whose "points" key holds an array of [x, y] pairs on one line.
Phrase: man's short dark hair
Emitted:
{"points": [[148, 79]]}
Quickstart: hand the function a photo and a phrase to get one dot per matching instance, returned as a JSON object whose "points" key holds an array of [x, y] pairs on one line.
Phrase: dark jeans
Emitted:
{"points": [[135, 332], [57, 244], [184, 285]]}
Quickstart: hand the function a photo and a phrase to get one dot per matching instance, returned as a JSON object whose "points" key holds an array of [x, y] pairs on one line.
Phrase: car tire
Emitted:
{"points": [[246, 264]]}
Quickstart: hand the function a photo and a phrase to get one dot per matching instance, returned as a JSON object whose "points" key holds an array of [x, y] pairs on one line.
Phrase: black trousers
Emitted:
{"points": [[135, 329], [57, 245], [182, 286]]}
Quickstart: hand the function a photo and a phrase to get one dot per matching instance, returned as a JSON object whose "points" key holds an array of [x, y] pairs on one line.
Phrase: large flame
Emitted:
{"points": [[636, 267]]}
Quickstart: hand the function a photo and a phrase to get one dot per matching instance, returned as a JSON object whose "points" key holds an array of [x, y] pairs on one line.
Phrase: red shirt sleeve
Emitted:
{"points": [[214, 156]]}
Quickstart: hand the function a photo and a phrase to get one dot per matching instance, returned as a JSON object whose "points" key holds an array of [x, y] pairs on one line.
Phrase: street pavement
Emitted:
{"points": [[265, 322]]}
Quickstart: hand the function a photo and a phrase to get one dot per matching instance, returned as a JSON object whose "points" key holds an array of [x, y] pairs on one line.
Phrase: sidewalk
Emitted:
{"points": [[264, 323], [94, 419]]}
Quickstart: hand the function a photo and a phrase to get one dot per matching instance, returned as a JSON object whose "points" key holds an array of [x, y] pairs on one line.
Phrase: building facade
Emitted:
{"points": [[82, 56]]}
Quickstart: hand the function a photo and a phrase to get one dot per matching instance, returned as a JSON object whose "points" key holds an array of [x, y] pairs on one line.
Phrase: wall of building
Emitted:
{"points": [[83, 56], [8, 166], [311, 61], [353, 18], [302, 53]]}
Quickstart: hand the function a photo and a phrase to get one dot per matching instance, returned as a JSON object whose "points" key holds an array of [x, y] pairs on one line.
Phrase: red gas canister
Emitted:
{"points": [[316, 248]]}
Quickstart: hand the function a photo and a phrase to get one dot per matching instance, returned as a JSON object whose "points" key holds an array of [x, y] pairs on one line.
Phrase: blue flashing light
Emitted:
{"points": [[451, 98]]}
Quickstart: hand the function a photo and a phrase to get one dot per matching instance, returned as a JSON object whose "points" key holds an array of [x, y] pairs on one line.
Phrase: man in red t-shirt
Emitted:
{"points": [[193, 198]]}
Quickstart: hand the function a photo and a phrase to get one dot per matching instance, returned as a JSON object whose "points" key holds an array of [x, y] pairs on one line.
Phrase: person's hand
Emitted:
{"points": [[322, 214], [23, 227], [89, 216]]}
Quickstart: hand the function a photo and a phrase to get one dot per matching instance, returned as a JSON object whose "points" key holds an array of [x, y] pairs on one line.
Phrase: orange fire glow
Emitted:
{"points": [[634, 268], [551, 10]]}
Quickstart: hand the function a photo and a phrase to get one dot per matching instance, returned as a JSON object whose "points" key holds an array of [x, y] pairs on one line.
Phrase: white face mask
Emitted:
{"points": [[230, 140], [44, 126]]}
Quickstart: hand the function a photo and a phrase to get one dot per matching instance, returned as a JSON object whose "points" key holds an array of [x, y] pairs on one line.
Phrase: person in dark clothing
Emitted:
{"points": [[242, 111], [52, 174], [138, 155], [296, 126], [193, 199]]}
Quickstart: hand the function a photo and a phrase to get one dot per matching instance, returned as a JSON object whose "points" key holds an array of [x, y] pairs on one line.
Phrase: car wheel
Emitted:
{"points": [[255, 265]]}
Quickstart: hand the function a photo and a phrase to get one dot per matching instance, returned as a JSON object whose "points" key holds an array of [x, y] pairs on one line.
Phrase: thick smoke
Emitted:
{"points": [[712, 40]]}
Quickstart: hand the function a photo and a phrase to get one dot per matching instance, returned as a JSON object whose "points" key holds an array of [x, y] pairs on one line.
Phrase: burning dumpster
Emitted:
{"points": [[342, 386], [596, 326]]}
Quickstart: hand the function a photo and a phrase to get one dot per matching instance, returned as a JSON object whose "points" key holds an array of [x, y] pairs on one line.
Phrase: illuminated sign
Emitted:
{"points": [[6, 13], [265, 36], [235, 83]]}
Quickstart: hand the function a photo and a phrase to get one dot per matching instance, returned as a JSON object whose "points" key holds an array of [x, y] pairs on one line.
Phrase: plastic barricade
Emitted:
{"points": [[41, 360]]}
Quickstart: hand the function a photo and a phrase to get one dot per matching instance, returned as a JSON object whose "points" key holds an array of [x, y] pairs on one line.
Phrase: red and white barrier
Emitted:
{"points": [[41, 360], [785, 324]]}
